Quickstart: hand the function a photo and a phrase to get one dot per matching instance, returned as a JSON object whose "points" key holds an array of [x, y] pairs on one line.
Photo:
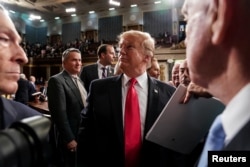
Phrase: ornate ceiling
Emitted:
{"points": [[49, 9]]}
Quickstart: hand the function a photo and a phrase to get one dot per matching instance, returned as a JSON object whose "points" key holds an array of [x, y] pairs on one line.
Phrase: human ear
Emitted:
{"points": [[148, 58], [221, 19]]}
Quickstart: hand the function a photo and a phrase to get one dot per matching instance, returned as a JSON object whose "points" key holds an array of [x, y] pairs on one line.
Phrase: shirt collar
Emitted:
{"points": [[141, 80], [100, 66], [72, 75]]}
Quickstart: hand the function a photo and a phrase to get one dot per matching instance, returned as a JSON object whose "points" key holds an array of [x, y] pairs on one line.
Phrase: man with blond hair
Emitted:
{"points": [[106, 121]]}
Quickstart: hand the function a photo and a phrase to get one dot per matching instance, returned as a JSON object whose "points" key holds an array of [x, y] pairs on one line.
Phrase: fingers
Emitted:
{"points": [[187, 97]]}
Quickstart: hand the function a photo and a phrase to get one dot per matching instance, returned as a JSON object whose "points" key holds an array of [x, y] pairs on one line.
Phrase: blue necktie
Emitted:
{"points": [[214, 142]]}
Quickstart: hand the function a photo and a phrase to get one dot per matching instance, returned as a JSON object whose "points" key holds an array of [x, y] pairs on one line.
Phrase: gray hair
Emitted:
{"points": [[65, 54], [23, 76]]}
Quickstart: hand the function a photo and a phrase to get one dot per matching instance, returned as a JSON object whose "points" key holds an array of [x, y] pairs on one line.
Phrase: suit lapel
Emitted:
{"points": [[153, 97], [95, 72], [72, 86], [115, 92], [110, 71], [241, 140]]}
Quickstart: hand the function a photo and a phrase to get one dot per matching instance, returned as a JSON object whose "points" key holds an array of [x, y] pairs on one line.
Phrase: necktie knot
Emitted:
{"points": [[132, 81]]}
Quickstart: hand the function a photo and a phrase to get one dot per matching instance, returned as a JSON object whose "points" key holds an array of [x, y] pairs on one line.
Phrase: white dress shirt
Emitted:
{"points": [[99, 69]]}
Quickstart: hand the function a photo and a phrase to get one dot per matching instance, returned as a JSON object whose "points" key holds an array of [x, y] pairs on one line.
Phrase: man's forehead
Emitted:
{"points": [[128, 40], [7, 26], [183, 65]]}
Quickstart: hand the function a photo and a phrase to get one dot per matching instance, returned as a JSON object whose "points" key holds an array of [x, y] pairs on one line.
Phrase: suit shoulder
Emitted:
{"points": [[163, 84], [106, 80], [18, 107], [241, 139], [58, 76], [90, 66]]}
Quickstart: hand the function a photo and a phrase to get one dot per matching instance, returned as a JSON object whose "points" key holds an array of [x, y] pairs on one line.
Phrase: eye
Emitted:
{"points": [[130, 47], [4, 41]]}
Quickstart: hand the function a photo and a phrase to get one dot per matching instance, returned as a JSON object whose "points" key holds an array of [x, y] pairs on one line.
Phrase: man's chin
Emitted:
{"points": [[10, 88]]}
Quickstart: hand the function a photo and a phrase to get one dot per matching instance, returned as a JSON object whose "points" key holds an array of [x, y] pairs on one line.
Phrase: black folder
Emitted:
{"points": [[181, 127]]}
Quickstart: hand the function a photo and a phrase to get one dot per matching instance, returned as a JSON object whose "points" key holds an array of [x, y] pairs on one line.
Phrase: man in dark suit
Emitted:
{"points": [[104, 117], [65, 102], [218, 60], [106, 54], [12, 57], [24, 91]]}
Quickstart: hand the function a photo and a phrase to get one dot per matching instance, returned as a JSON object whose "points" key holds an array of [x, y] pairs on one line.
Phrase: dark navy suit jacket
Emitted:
{"points": [[13, 111], [103, 122], [242, 139], [90, 73]]}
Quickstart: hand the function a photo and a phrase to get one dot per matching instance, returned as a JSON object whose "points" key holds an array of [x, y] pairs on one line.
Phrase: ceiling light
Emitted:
{"points": [[11, 11], [70, 10], [41, 20], [35, 17], [133, 5], [157, 2], [111, 8], [73, 15], [116, 3], [56, 18], [91, 12]]}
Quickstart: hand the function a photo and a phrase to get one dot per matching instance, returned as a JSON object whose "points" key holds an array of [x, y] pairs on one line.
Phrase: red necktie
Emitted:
{"points": [[132, 127]]}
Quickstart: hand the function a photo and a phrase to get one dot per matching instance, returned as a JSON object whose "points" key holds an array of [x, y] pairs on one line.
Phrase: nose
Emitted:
{"points": [[79, 62], [19, 54], [122, 51], [186, 72]]}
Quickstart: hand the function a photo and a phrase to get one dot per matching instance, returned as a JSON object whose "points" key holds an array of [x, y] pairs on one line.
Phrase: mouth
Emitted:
{"points": [[122, 59], [14, 75]]}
